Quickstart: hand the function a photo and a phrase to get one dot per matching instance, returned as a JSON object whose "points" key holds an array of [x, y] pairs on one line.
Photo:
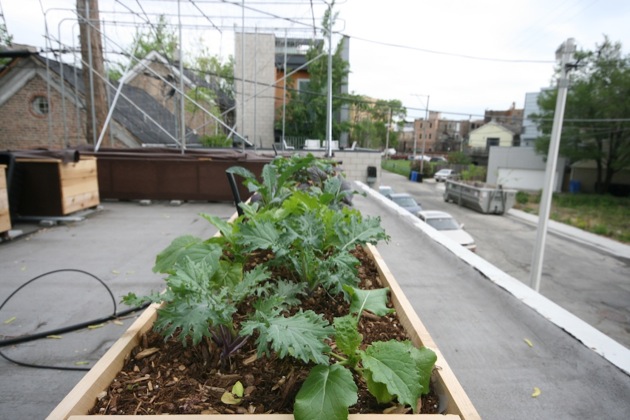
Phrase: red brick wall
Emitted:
{"points": [[23, 128]]}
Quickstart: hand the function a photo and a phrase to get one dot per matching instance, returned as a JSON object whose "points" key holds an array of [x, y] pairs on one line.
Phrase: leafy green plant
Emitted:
{"points": [[392, 369], [474, 173], [296, 239], [281, 177]]}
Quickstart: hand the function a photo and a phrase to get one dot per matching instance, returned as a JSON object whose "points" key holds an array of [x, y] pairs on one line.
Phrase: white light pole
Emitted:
{"points": [[564, 53], [415, 147], [329, 152], [424, 134]]}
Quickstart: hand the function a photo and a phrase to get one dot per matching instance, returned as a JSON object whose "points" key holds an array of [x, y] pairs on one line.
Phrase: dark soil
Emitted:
{"points": [[162, 376]]}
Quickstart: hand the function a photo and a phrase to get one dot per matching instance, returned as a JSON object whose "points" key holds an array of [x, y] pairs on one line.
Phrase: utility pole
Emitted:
{"points": [[182, 104], [92, 58], [424, 134], [389, 123], [564, 54], [329, 152]]}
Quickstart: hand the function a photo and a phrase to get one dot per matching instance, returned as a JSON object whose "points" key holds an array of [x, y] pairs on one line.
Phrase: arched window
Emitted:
{"points": [[40, 105]]}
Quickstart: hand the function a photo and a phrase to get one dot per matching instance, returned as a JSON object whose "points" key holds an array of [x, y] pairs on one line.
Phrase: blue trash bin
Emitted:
{"points": [[574, 186], [414, 176]]}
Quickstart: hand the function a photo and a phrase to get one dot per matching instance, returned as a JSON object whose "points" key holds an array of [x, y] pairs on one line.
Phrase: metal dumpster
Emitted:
{"points": [[480, 197]]}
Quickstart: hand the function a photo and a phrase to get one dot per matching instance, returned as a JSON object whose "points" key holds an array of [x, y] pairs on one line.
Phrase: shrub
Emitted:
{"points": [[522, 197]]}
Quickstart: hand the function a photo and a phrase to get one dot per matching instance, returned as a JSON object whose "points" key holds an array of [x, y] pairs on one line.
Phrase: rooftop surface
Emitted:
{"points": [[478, 323]]}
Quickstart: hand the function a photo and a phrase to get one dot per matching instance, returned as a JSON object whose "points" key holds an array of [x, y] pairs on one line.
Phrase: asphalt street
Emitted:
{"points": [[586, 274]]}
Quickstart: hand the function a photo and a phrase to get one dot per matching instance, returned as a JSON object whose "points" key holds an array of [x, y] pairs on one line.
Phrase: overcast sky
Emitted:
{"points": [[462, 56]]}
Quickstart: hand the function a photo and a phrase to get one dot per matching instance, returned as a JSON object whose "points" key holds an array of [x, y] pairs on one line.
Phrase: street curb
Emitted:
{"points": [[607, 245]]}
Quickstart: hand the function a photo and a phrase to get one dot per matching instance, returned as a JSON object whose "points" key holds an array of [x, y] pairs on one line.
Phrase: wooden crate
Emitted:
{"points": [[5, 215], [81, 399], [49, 187]]}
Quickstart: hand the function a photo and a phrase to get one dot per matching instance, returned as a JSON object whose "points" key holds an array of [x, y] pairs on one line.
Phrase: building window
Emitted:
{"points": [[303, 85], [40, 105], [492, 141]]}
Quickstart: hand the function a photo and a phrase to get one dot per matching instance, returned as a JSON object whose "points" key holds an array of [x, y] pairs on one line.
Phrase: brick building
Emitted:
{"points": [[42, 105]]}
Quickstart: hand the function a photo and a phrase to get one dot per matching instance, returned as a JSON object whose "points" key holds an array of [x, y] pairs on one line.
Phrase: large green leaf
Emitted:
{"points": [[358, 230], [194, 317], [390, 367], [348, 338], [374, 300], [259, 235], [425, 359], [228, 275], [184, 247], [302, 335], [326, 394]]}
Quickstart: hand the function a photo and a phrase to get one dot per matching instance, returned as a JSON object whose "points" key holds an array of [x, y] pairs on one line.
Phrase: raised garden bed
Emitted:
{"points": [[51, 187], [336, 324]]}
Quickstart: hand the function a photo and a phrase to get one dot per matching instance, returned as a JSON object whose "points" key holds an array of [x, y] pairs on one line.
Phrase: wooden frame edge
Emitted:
{"points": [[459, 403]]}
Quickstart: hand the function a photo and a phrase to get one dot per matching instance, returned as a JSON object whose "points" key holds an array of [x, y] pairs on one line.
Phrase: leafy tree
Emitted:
{"points": [[596, 123], [160, 38], [369, 127], [5, 40], [216, 97], [219, 75], [458, 157], [306, 111]]}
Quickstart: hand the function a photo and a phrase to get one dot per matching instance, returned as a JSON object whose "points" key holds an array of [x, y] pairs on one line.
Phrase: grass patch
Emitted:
{"points": [[397, 166], [603, 215]]}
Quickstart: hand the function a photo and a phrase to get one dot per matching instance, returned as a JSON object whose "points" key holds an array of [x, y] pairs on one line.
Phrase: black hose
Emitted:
{"points": [[61, 330]]}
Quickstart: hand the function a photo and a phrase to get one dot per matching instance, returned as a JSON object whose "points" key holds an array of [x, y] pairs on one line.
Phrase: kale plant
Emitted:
{"points": [[392, 370], [305, 234]]}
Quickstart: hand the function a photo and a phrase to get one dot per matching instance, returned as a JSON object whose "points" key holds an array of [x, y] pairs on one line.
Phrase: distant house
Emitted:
{"points": [[161, 79], [491, 134], [42, 105]]}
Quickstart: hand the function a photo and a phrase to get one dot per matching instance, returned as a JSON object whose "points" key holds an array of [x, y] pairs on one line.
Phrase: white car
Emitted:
{"points": [[407, 202], [444, 174], [386, 190], [447, 225]]}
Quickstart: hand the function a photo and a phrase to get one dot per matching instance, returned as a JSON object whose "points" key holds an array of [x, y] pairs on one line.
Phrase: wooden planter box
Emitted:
{"points": [[49, 187], [160, 174], [82, 398], [5, 215]]}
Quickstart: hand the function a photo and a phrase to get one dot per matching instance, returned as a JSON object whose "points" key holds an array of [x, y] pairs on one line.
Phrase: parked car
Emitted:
{"points": [[386, 190], [407, 202], [438, 159], [444, 174], [447, 224]]}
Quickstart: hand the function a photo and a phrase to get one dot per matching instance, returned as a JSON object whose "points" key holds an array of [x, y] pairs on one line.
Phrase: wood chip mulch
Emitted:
{"points": [[164, 377]]}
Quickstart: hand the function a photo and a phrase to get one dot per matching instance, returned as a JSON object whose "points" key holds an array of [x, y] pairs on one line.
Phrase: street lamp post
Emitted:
{"points": [[424, 134], [329, 152], [415, 147], [564, 54]]}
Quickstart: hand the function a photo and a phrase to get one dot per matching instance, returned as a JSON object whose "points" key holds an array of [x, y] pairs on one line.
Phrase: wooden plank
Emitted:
{"points": [[272, 417], [458, 401], [79, 202], [81, 169], [83, 396], [5, 216]]}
